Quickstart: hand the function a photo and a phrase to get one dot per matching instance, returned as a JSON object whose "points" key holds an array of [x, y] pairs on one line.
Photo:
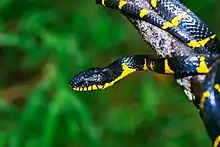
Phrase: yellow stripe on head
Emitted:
{"points": [[125, 71]]}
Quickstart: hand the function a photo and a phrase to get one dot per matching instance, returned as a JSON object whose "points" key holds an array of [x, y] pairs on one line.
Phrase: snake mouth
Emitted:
{"points": [[88, 80]]}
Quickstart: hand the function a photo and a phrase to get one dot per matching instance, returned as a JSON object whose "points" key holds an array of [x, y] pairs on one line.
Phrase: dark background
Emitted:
{"points": [[44, 43]]}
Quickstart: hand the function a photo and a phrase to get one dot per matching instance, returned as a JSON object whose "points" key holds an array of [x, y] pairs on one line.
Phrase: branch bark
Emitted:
{"points": [[165, 45]]}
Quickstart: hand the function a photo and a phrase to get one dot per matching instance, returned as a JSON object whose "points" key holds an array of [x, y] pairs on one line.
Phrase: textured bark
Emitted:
{"points": [[165, 45]]}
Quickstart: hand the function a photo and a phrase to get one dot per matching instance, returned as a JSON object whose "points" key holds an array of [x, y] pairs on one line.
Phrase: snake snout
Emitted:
{"points": [[87, 80]]}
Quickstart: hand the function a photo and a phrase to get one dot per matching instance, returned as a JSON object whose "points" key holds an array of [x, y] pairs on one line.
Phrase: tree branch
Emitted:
{"points": [[165, 45]]}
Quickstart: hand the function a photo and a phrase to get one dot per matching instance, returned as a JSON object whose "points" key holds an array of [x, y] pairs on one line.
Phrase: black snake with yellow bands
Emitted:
{"points": [[179, 21]]}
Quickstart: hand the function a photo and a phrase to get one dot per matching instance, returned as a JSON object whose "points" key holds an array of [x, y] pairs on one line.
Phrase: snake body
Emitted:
{"points": [[175, 18]]}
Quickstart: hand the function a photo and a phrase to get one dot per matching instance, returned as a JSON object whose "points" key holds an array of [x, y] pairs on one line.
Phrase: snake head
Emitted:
{"points": [[88, 80]]}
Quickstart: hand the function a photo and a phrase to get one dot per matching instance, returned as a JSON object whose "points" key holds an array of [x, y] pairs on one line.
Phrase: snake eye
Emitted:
{"points": [[88, 80]]}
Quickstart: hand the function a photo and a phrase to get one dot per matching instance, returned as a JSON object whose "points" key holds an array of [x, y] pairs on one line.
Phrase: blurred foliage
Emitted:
{"points": [[43, 43]]}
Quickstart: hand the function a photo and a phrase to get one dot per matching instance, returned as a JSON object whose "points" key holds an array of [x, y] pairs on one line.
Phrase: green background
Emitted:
{"points": [[44, 43]]}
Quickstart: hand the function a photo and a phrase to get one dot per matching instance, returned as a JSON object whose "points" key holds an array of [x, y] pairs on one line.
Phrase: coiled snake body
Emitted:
{"points": [[179, 21]]}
